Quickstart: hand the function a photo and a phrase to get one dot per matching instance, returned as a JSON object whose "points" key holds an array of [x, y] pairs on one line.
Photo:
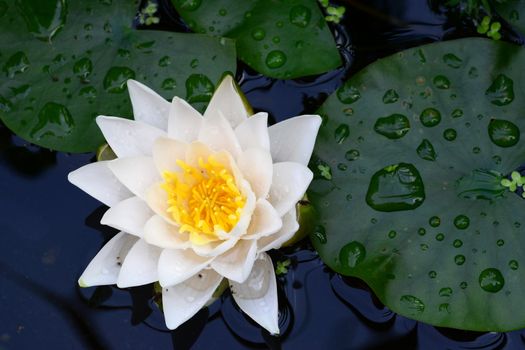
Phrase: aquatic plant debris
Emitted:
{"points": [[419, 201]]}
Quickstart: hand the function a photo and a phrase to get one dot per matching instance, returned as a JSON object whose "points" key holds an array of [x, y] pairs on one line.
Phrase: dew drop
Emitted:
{"points": [[342, 166], [513, 265], [423, 246], [450, 134], [54, 120], [434, 221], [275, 59], [452, 60], [116, 78], [189, 5], [440, 237], [441, 82], [390, 96], [491, 280], [459, 259], [164, 61], [16, 64], [463, 285], [430, 117], [396, 187], [457, 113], [168, 84], [199, 88], [445, 292], [341, 133], [394, 126], [473, 72], [348, 94], [88, 92], [223, 12], [352, 254], [44, 20], [320, 234], [352, 155], [413, 305], [426, 151], [501, 91], [500, 242], [421, 231], [457, 243], [83, 68], [503, 133], [300, 16], [461, 222], [432, 274], [258, 34], [392, 234]]}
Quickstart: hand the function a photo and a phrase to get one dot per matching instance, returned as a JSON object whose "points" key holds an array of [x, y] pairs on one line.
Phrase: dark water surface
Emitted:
{"points": [[49, 232]]}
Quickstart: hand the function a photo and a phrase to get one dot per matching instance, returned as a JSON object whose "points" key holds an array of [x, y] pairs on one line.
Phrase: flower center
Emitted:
{"points": [[203, 199]]}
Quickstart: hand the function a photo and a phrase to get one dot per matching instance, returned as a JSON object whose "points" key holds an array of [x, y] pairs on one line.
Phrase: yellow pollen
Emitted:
{"points": [[203, 199]]}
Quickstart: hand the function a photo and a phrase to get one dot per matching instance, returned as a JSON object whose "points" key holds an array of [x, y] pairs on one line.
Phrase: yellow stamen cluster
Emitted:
{"points": [[203, 199]]}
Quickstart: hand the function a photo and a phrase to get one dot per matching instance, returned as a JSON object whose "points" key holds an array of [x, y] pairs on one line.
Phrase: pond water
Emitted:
{"points": [[49, 231]]}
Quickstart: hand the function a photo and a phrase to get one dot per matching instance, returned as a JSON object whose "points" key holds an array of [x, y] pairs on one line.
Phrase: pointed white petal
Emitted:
{"points": [[253, 132], [161, 233], [157, 199], [256, 166], [166, 152], [128, 138], [105, 266], [237, 262], [185, 122], [138, 174], [227, 101], [97, 180], [217, 134], [214, 248], [275, 241], [177, 265], [140, 265], [130, 216], [290, 181], [293, 140], [265, 221], [148, 106], [182, 301], [257, 296]]}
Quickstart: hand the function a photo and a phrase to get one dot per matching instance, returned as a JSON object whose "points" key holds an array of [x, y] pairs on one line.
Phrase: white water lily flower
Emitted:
{"points": [[198, 199]]}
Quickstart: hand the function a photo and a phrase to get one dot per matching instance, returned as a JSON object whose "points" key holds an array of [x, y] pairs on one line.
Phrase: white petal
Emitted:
{"points": [[253, 132], [217, 134], [148, 106], [185, 122], [215, 248], [293, 140], [228, 101], [128, 138], [138, 174], [290, 181], [183, 300], [265, 221], [177, 265], [256, 166], [130, 216], [166, 152], [257, 296], [97, 180], [157, 199], [105, 266], [237, 262], [275, 241], [160, 233], [140, 265]]}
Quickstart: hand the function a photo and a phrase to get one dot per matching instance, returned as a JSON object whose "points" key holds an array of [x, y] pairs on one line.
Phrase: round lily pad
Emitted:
{"points": [[408, 167], [280, 39], [63, 63]]}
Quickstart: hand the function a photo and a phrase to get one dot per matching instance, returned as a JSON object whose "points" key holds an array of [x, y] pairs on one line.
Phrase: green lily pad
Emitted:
{"points": [[67, 62], [281, 39], [513, 11], [414, 203]]}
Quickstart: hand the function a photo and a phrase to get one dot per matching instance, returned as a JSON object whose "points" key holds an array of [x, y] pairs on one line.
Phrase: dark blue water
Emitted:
{"points": [[49, 231]]}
